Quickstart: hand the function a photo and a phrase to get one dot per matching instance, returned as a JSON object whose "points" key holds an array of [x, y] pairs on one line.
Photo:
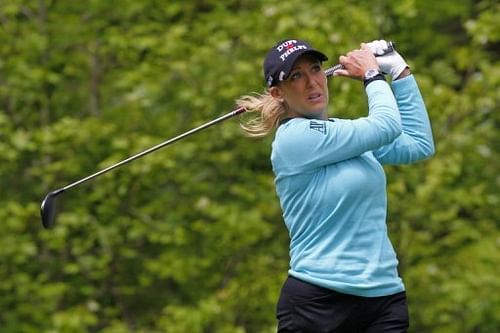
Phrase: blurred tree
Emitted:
{"points": [[191, 239]]}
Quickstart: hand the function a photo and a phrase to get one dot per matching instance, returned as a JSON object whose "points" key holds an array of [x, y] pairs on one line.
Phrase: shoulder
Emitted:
{"points": [[302, 136]]}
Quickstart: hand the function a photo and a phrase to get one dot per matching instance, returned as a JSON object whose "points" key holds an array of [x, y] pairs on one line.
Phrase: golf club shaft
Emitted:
{"points": [[152, 149]]}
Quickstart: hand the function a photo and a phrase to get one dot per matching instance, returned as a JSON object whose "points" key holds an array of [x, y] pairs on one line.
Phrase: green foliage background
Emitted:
{"points": [[190, 239]]}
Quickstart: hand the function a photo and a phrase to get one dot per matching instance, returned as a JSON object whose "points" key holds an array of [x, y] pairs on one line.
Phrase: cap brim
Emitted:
{"points": [[293, 58]]}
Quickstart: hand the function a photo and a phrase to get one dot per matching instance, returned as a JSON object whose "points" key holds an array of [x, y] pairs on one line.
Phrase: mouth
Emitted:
{"points": [[315, 97]]}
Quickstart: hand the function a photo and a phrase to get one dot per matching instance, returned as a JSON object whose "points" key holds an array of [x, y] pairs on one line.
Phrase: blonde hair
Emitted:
{"points": [[267, 113]]}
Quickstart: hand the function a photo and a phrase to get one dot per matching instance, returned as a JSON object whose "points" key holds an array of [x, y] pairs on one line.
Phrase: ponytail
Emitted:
{"points": [[268, 113]]}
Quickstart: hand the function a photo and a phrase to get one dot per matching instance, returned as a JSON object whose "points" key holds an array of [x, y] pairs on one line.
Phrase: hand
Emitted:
{"points": [[392, 63], [357, 62]]}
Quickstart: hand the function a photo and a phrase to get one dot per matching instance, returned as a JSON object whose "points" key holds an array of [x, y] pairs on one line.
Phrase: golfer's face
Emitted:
{"points": [[305, 90]]}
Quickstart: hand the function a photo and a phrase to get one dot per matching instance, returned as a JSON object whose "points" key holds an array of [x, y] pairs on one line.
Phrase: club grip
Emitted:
{"points": [[391, 46]]}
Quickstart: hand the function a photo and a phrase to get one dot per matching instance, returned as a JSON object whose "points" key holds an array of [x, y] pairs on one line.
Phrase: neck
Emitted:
{"points": [[319, 115]]}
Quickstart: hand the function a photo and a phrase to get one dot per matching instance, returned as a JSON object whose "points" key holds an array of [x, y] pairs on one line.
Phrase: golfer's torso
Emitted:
{"points": [[336, 219]]}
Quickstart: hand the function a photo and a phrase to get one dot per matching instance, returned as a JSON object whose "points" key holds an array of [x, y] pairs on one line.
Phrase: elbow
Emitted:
{"points": [[429, 150], [426, 151]]}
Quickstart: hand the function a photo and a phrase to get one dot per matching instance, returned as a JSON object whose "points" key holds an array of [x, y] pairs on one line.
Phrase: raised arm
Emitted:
{"points": [[304, 144], [415, 142]]}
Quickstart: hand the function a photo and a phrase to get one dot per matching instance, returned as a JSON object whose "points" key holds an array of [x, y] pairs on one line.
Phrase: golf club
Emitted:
{"points": [[48, 207]]}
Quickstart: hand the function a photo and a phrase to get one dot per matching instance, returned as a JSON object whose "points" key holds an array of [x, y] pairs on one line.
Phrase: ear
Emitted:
{"points": [[277, 94]]}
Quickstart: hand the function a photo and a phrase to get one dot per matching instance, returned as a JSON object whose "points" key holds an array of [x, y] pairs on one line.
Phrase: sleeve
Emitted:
{"points": [[305, 144], [415, 142]]}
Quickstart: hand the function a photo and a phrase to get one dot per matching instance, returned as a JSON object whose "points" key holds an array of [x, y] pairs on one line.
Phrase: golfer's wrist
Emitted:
{"points": [[377, 77], [406, 72]]}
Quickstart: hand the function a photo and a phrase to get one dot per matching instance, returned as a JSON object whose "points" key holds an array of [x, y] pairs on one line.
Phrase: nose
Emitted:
{"points": [[310, 81]]}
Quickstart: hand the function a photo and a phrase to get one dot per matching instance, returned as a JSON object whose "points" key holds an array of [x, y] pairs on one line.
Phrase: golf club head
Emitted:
{"points": [[48, 208]]}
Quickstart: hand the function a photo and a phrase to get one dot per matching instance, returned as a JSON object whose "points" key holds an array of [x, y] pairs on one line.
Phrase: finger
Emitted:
{"points": [[341, 72], [365, 47], [380, 46]]}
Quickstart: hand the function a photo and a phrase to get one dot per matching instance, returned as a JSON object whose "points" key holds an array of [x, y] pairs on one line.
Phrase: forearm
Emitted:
{"points": [[414, 118], [416, 142]]}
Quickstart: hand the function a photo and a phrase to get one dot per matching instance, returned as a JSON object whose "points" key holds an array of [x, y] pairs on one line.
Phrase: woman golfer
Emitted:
{"points": [[332, 188]]}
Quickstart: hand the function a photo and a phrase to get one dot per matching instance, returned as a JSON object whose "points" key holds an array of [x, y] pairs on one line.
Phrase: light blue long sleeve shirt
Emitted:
{"points": [[332, 188]]}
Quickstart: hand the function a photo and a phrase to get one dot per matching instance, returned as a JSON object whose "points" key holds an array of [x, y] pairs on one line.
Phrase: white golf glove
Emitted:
{"points": [[392, 63]]}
